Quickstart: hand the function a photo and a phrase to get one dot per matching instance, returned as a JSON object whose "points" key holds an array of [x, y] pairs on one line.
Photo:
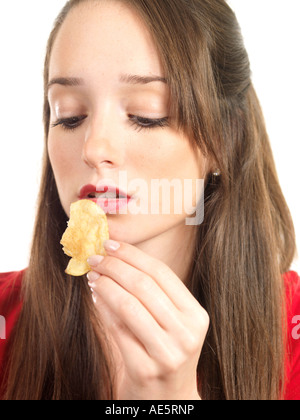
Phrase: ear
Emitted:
{"points": [[212, 167]]}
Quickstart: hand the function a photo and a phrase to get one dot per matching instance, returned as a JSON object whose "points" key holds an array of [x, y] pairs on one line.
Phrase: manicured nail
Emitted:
{"points": [[111, 245], [95, 260], [93, 276]]}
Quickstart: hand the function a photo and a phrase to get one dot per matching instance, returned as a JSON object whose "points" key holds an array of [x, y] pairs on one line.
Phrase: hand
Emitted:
{"points": [[158, 328]]}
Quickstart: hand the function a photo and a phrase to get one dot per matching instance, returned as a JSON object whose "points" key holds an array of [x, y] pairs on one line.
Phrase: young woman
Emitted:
{"points": [[153, 90]]}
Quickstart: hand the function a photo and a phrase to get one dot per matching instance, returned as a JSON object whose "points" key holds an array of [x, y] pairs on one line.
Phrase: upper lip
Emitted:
{"points": [[87, 191]]}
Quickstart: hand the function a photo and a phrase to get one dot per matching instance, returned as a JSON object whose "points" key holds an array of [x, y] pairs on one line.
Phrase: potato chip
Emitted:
{"points": [[87, 230]]}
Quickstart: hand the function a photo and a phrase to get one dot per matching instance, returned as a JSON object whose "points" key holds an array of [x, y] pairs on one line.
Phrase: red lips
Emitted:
{"points": [[111, 199], [92, 192]]}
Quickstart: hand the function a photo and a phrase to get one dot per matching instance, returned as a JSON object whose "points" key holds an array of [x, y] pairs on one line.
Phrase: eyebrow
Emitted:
{"points": [[124, 78], [66, 81], [141, 80]]}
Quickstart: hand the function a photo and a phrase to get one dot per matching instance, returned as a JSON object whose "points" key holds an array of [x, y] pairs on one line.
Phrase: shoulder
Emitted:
{"points": [[10, 302], [292, 284], [10, 290], [11, 279], [10, 308], [292, 287]]}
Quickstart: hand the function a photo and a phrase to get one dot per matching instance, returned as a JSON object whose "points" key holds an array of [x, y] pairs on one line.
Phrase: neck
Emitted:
{"points": [[174, 247]]}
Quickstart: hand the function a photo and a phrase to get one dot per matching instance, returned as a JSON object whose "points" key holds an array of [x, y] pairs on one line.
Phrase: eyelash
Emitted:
{"points": [[69, 124], [139, 123]]}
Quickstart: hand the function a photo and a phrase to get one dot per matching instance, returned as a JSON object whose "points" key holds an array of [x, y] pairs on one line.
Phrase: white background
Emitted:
{"points": [[272, 34]]}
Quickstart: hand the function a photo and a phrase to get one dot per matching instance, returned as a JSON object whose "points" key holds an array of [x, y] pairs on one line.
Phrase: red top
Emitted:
{"points": [[10, 307]]}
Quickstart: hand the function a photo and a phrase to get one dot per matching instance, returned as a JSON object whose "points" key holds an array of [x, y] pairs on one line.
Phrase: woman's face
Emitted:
{"points": [[111, 126]]}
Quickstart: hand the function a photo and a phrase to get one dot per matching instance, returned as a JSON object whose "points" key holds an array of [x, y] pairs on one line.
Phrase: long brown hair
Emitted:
{"points": [[242, 249]]}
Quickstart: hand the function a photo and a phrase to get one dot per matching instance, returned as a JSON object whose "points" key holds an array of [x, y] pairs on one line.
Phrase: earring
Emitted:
{"points": [[217, 173]]}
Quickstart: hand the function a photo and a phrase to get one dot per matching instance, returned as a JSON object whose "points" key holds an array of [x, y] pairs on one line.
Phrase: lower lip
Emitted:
{"points": [[111, 206]]}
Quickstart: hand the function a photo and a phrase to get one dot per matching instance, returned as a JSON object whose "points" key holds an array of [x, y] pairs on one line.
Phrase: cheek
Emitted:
{"points": [[62, 158], [64, 162], [173, 162], [175, 179]]}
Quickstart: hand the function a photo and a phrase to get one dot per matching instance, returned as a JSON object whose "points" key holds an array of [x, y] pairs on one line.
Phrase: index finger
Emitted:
{"points": [[167, 280]]}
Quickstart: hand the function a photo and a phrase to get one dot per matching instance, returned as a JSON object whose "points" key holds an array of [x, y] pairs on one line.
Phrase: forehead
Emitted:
{"points": [[104, 38]]}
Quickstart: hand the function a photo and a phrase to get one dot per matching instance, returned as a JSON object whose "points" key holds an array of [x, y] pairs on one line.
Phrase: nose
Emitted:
{"points": [[102, 146]]}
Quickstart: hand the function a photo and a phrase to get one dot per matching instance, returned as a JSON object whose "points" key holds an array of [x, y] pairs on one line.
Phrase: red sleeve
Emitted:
{"points": [[292, 391], [10, 307]]}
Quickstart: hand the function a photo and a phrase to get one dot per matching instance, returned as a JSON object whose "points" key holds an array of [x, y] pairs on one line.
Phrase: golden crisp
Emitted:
{"points": [[87, 230]]}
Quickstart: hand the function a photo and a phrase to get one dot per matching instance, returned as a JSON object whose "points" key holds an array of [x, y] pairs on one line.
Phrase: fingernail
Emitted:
{"points": [[93, 276], [95, 260], [111, 245]]}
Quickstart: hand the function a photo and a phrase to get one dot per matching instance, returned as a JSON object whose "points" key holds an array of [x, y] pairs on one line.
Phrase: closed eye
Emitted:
{"points": [[141, 123], [70, 123]]}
